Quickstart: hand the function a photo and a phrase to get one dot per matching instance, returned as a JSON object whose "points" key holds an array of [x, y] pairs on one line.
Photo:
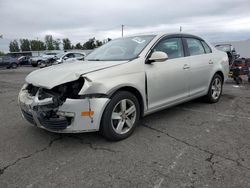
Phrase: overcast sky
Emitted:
{"points": [[79, 20]]}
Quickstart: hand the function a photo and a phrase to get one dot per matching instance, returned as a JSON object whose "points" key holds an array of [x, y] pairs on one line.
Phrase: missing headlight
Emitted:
{"points": [[67, 90]]}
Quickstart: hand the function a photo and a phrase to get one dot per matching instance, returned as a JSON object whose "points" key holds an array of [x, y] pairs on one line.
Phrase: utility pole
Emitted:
{"points": [[122, 30], [180, 29], [38, 46]]}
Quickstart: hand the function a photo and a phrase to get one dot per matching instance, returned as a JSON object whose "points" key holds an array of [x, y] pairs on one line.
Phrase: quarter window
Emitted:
{"points": [[171, 46], [194, 46], [206, 47]]}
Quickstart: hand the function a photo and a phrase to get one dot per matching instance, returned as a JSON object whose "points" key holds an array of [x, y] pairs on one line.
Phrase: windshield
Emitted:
{"points": [[120, 49], [59, 55]]}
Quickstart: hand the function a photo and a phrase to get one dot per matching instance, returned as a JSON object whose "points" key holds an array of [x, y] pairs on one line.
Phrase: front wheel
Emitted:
{"points": [[215, 89], [42, 64], [13, 65], [120, 116]]}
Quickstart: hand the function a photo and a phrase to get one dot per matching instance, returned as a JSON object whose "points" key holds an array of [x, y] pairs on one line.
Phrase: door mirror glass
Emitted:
{"points": [[158, 57]]}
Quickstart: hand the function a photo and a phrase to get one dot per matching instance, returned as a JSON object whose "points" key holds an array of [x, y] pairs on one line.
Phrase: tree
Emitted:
{"points": [[66, 44], [90, 44], [49, 42], [14, 46], [24, 45], [78, 46], [1, 53], [56, 44], [98, 43], [37, 45]]}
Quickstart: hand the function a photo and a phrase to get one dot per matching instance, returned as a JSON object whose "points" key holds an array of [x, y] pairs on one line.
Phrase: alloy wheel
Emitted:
{"points": [[216, 88], [123, 116]]}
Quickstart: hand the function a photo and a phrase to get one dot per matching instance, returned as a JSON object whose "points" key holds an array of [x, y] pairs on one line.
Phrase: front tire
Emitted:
{"points": [[120, 116], [215, 89], [13, 65]]}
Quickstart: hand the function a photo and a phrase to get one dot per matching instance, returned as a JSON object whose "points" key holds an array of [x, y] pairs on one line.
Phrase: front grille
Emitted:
{"points": [[28, 117], [55, 123]]}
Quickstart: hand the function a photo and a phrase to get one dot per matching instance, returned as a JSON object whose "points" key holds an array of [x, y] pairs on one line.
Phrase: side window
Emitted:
{"points": [[206, 47], [78, 55], [171, 46], [194, 46], [70, 55]]}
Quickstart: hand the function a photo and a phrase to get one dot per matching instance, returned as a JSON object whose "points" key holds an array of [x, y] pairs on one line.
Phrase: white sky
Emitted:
{"points": [[79, 20]]}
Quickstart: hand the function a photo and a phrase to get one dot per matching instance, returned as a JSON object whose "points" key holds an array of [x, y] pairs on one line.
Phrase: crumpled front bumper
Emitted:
{"points": [[74, 115]]}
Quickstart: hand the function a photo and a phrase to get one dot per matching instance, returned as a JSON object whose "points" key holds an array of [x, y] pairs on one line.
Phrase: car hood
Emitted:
{"points": [[58, 74]]}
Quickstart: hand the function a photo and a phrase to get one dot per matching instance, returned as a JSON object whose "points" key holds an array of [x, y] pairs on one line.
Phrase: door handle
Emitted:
{"points": [[186, 66], [210, 62]]}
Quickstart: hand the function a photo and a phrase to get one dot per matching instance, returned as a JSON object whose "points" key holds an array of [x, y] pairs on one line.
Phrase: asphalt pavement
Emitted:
{"points": [[191, 145]]}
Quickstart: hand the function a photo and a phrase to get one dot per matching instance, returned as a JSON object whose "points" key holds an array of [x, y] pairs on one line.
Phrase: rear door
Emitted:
{"points": [[200, 65], [167, 82]]}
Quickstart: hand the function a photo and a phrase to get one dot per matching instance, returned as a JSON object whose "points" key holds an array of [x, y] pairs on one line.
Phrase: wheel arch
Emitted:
{"points": [[221, 74], [135, 92]]}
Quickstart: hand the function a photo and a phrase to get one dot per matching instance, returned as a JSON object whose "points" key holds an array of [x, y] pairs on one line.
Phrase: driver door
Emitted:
{"points": [[167, 82]]}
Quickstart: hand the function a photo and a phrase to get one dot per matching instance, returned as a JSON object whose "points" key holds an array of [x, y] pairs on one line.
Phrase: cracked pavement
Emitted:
{"points": [[191, 145]]}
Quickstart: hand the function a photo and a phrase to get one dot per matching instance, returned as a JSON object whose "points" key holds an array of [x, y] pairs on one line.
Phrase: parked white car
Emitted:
{"points": [[123, 81], [69, 57]]}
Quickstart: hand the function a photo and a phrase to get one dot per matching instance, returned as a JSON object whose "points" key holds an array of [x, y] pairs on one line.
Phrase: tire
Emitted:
{"points": [[35, 64], [121, 102], [249, 79], [215, 89], [42, 64], [238, 80], [13, 65]]}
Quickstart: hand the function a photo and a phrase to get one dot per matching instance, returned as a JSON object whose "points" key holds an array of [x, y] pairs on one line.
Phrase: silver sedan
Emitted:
{"points": [[121, 82]]}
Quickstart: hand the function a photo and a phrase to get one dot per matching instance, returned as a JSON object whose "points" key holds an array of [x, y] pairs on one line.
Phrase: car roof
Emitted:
{"points": [[159, 35]]}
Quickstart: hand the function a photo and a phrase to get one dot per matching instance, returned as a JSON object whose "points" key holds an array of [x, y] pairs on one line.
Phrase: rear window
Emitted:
{"points": [[194, 46]]}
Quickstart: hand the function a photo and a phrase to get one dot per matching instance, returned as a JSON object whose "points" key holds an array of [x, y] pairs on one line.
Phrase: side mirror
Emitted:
{"points": [[158, 57], [65, 58]]}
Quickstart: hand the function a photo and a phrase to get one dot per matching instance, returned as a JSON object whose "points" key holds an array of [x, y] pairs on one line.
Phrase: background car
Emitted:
{"points": [[62, 58], [230, 50], [35, 61], [9, 62], [24, 60], [69, 57]]}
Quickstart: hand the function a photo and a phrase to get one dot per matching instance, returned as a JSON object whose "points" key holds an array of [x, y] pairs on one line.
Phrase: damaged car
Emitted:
{"points": [[122, 81]]}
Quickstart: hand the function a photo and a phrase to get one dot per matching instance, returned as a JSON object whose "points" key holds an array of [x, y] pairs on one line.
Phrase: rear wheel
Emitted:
{"points": [[238, 80], [215, 89], [120, 116]]}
